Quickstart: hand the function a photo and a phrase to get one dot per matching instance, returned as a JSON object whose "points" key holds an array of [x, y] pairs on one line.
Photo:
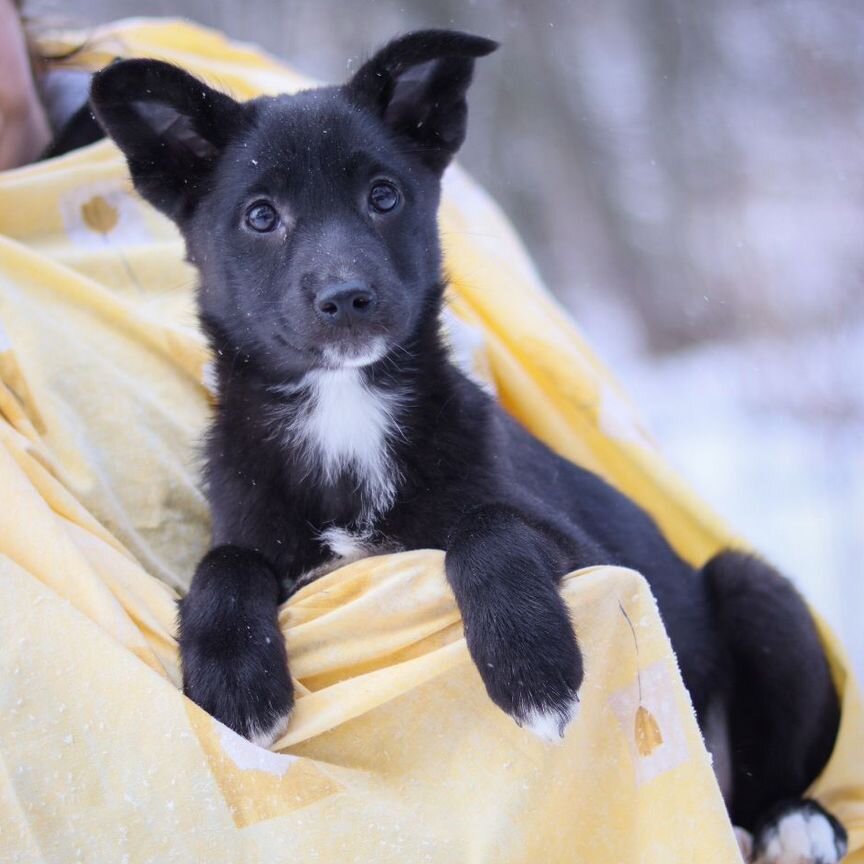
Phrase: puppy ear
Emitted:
{"points": [[417, 85], [171, 127]]}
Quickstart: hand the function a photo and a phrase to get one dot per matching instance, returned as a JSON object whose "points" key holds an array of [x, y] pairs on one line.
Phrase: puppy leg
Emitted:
{"points": [[505, 573], [783, 709], [232, 652]]}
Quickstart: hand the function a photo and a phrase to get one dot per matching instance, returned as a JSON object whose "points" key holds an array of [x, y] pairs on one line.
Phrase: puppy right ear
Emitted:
{"points": [[171, 127], [417, 84]]}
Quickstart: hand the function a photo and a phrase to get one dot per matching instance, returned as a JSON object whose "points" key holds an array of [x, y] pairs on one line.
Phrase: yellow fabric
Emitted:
{"points": [[395, 753]]}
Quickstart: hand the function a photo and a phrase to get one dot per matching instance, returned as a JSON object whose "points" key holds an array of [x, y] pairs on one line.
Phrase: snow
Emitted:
{"points": [[770, 433]]}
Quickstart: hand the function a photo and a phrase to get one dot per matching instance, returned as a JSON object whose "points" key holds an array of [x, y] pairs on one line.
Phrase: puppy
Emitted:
{"points": [[343, 430]]}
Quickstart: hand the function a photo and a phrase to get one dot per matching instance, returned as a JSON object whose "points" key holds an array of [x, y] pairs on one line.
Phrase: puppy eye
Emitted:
{"points": [[384, 197], [262, 217]]}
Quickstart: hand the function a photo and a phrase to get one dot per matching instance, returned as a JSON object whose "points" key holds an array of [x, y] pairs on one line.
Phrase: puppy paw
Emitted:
{"points": [[799, 832], [249, 692], [550, 721], [231, 650], [268, 735], [532, 675]]}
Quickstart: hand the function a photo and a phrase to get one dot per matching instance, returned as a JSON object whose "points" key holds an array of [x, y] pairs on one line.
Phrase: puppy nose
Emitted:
{"points": [[345, 302]]}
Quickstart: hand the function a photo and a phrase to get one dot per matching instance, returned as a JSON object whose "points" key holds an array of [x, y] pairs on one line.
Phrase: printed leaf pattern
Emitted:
{"points": [[647, 732], [646, 729], [100, 215]]}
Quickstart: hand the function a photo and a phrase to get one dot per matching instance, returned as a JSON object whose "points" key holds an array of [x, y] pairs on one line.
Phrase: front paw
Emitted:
{"points": [[533, 675], [548, 718], [232, 652], [248, 689]]}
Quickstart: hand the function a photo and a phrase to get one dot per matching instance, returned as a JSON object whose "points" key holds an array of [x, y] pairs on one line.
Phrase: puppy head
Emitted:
{"points": [[312, 217]]}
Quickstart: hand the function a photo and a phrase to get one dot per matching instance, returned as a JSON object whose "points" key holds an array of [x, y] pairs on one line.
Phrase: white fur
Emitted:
{"points": [[800, 837], [345, 545], [266, 737], [549, 725], [343, 360], [346, 424]]}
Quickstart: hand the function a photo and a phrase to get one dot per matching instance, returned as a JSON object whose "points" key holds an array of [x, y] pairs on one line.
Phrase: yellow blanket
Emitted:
{"points": [[395, 753]]}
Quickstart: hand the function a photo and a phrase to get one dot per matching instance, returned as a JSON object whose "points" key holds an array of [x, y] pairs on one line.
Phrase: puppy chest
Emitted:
{"points": [[343, 431]]}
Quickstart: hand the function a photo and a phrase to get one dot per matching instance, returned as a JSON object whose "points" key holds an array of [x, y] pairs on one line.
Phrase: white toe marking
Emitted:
{"points": [[266, 737], [823, 841], [800, 837], [549, 725]]}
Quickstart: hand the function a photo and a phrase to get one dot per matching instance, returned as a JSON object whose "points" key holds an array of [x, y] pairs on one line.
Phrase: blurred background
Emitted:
{"points": [[689, 177]]}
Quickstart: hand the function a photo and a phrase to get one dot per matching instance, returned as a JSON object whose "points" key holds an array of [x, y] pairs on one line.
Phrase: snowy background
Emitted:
{"points": [[689, 176]]}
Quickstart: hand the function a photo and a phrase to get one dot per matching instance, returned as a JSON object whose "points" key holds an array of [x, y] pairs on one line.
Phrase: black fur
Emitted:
{"points": [[781, 703], [285, 307]]}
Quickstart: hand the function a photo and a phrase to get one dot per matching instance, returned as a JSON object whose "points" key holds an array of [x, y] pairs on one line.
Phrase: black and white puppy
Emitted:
{"points": [[343, 429]]}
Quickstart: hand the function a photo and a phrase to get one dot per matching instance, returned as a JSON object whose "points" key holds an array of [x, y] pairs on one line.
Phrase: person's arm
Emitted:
{"points": [[24, 128]]}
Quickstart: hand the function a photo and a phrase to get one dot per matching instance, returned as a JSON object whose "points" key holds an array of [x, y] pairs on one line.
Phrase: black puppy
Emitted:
{"points": [[343, 429]]}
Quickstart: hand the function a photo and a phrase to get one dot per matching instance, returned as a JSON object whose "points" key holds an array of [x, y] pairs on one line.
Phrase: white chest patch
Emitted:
{"points": [[346, 425]]}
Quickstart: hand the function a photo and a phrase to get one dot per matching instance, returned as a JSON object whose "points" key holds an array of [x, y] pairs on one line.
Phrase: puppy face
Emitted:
{"points": [[317, 240], [312, 217]]}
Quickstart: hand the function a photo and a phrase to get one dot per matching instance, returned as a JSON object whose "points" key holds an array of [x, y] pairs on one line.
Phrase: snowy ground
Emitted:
{"points": [[771, 435]]}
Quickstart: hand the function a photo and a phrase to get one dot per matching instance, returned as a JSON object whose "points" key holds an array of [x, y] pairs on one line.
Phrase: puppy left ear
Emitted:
{"points": [[171, 127], [417, 84]]}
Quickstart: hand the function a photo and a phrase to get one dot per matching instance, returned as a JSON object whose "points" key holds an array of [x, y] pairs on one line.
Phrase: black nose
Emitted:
{"points": [[344, 302]]}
